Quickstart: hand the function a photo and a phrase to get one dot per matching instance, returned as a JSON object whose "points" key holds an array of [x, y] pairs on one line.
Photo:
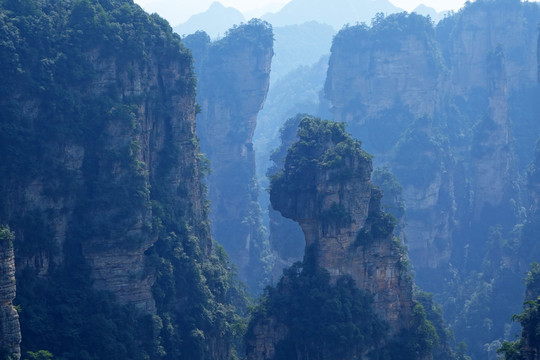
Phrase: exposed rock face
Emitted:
{"points": [[442, 86], [266, 335], [325, 187], [117, 257], [118, 263], [286, 237], [493, 156], [234, 75], [89, 188], [479, 29], [379, 72], [101, 181], [10, 332], [340, 213], [379, 86], [452, 129]]}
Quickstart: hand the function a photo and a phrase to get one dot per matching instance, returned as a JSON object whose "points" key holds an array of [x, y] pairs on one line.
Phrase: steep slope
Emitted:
{"points": [[10, 331], [286, 237], [335, 14], [353, 281], [386, 87], [450, 111], [478, 29], [101, 184], [332, 199], [233, 78], [215, 21]]}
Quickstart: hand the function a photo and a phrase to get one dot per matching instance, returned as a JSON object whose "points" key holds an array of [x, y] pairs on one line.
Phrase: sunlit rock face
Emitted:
{"points": [[233, 79], [340, 213], [89, 191], [462, 151], [440, 107], [325, 187]]}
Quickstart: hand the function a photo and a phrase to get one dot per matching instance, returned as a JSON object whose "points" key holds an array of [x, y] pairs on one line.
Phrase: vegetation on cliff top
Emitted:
{"points": [[325, 321], [233, 73], [49, 54], [321, 144]]}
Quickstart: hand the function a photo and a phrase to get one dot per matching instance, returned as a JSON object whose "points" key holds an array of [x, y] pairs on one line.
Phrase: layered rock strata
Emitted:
{"points": [[434, 105], [340, 212], [325, 187], [10, 332], [233, 79], [379, 87], [460, 151], [104, 139]]}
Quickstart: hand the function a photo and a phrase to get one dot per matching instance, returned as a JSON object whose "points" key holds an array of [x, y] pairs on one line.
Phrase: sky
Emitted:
{"points": [[179, 11]]}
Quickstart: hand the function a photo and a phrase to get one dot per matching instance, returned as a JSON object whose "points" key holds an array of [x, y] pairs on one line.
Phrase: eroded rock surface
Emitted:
{"points": [[10, 331]]}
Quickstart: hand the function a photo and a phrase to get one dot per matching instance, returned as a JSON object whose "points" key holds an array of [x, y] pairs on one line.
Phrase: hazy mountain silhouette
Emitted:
{"points": [[299, 45], [335, 13], [431, 12], [214, 21]]}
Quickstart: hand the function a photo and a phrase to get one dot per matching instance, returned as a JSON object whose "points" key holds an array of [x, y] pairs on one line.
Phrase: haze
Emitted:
{"points": [[179, 11]]}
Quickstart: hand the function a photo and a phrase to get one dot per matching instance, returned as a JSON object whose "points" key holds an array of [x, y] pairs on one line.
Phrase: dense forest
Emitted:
{"points": [[100, 186], [134, 163]]}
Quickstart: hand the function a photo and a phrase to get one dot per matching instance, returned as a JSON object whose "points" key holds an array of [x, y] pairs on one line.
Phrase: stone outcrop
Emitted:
{"points": [[457, 131], [386, 83], [105, 188], [492, 151], [286, 237], [10, 332], [233, 79], [340, 213], [382, 69], [266, 334], [447, 80], [325, 187], [480, 28], [101, 181], [100, 165]]}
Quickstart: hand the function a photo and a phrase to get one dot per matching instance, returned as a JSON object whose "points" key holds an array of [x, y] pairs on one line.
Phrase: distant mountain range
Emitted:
{"points": [[215, 21], [426, 10], [335, 13], [218, 19]]}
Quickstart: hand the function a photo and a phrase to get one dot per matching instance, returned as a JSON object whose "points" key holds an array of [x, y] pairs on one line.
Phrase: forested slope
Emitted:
{"points": [[100, 182]]}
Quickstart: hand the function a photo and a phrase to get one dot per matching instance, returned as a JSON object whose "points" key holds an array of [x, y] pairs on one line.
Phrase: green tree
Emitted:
{"points": [[39, 355]]}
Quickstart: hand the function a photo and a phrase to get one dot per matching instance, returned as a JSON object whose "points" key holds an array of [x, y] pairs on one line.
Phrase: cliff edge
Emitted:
{"points": [[353, 286], [10, 330]]}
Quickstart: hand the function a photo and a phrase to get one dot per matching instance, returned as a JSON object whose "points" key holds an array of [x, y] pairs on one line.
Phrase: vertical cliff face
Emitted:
{"points": [[234, 75], [102, 184], [117, 258], [94, 186], [492, 151], [286, 237], [456, 135], [10, 332], [351, 297], [340, 213], [479, 29], [453, 101], [386, 82], [385, 68]]}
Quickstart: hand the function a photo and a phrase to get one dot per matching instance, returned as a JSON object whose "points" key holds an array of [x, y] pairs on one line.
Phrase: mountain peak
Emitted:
{"points": [[214, 21]]}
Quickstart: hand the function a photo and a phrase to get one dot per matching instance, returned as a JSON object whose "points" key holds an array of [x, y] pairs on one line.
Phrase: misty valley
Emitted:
{"points": [[333, 181]]}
